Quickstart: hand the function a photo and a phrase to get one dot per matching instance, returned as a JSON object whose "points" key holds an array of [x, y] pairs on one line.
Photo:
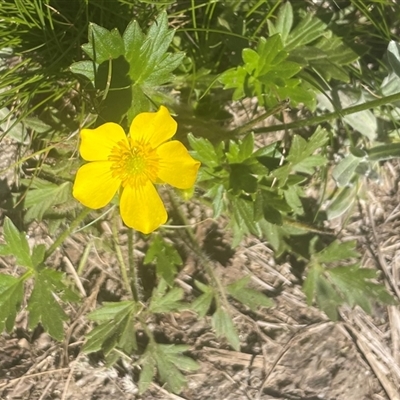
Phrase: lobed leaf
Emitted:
{"points": [[11, 297], [166, 258], [249, 297], [337, 251], [16, 245], [223, 326], [104, 45], [202, 304], [116, 328], [393, 55], [170, 301], [43, 196], [43, 306]]}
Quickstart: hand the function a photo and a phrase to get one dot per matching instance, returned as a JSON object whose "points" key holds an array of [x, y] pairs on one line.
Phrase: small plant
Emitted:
{"points": [[139, 76]]}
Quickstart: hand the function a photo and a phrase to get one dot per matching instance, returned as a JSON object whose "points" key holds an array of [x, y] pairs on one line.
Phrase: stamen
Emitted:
{"points": [[135, 163]]}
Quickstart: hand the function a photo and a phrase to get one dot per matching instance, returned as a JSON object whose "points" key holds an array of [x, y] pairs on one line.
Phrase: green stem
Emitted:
{"points": [[323, 118], [132, 267], [215, 282], [119, 255], [74, 224], [247, 126]]}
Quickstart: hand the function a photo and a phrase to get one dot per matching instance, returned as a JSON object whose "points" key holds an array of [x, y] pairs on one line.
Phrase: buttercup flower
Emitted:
{"points": [[134, 164]]}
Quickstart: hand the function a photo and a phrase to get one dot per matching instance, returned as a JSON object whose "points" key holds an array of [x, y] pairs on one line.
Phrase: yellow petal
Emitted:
{"points": [[176, 166], [96, 144], [154, 128], [94, 185], [142, 208]]}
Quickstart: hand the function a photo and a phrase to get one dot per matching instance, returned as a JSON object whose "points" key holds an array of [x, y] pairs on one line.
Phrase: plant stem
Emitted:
{"points": [[120, 257], [321, 118], [215, 282], [74, 224], [132, 267], [247, 126]]}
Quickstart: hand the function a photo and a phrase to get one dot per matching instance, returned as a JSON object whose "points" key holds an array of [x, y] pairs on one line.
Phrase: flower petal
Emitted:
{"points": [[154, 128], [96, 144], [176, 166], [142, 208], [94, 185]]}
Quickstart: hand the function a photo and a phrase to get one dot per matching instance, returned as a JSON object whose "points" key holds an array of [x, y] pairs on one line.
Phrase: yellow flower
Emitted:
{"points": [[134, 164]]}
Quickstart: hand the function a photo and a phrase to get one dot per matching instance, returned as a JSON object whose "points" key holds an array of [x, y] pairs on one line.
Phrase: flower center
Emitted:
{"points": [[134, 163]]}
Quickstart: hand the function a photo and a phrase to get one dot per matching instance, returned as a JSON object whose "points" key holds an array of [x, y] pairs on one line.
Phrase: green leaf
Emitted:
{"points": [[152, 64], [202, 304], [337, 53], [267, 74], [249, 297], [308, 165], [297, 95], [13, 129], [241, 178], [169, 361], [308, 30], [103, 45], [43, 306], [342, 202], [16, 245], [43, 196], [166, 258], [38, 255], [327, 298], [243, 212], [11, 297], [272, 204], [133, 38], [335, 286], [127, 339], [311, 281], [301, 149], [86, 69], [281, 75], [234, 78], [384, 152], [174, 353], [337, 251], [270, 52], [393, 55], [204, 151], [284, 21], [165, 302], [251, 60], [110, 310], [354, 285], [292, 196], [246, 147], [147, 374], [223, 326], [116, 328], [216, 193], [343, 172], [316, 286], [275, 236], [364, 122], [332, 287]]}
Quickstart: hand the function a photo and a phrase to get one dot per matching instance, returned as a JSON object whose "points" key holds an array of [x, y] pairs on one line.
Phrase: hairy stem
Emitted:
{"points": [[132, 267], [319, 119], [120, 257], [215, 282]]}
